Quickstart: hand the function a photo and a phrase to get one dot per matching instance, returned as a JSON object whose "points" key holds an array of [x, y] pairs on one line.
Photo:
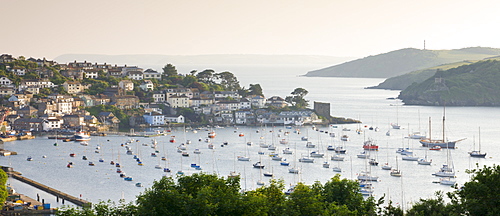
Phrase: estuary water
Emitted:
{"points": [[348, 98]]}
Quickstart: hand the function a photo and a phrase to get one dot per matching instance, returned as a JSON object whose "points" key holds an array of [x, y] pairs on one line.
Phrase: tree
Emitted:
{"points": [[188, 81], [297, 99], [481, 195], [206, 76], [98, 86], [169, 70], [256, 89], [198, 194], [268, 200], [306, 200], [432, 206], [3, 187], [228, 81]]}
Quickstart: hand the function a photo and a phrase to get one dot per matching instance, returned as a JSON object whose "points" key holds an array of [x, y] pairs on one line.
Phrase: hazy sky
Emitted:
{"points": [[188, 27]]}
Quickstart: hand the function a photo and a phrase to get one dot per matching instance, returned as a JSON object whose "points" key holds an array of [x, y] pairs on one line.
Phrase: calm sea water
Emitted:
{"points": [[347, 97]]}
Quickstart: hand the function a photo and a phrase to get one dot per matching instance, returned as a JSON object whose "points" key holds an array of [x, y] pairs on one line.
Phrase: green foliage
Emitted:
{"points": [[108, 208], [58, 79], [98, 86], [169, 70], [3, 187], [432, 206], [467, 85], [31, 75], [256, 89], [119, 113], [111, 80], [481, 195], [209, 194], [297, 99], [306, 200], [401, 82], [206, 76], [198, 194], [228, 81], [189, 114]]}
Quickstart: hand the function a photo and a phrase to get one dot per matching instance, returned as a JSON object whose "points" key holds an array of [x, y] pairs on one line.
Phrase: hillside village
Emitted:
{"points": [[43, 95]]}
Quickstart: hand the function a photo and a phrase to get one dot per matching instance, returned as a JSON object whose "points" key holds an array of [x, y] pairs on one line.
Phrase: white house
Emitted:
{"points": [[154, 119], [188, 92], [73, 87], [126, 69], [147, 85], [226, 105], [136, 75], [151, 74], [175, 119], [64, 107], [92, 74], [54, 123], [245, 104], [226, 94], [197, 102], [4, 81], [258, 101], [20, 71], [7, 91], [241, 117], [159, 97], [39, 83], [178, 101], [127, 85], [298, 117]]}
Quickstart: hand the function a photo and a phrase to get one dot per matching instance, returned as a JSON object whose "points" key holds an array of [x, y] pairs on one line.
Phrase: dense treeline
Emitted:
{"points": [[469, 85], [208, 194]]}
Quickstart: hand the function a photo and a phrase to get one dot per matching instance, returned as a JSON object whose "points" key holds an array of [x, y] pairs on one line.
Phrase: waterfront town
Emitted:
{"points": [[40, 95]]}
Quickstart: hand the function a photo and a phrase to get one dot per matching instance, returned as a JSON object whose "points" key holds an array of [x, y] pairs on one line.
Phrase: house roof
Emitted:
{"points": [[105, 113], [28, 108], [31, 120]]}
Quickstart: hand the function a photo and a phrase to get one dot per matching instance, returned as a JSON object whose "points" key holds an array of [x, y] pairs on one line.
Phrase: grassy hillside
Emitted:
{"points": [[403, 61], [403, 81], [474, 84]]}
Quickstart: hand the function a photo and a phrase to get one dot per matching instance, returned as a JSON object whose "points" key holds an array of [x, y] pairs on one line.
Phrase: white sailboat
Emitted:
{"points": [[396, 125], [447, 181], [386, 165], [396, 172], [294, 169], [417, 134], [366, 175], [325, 163], [425, 161], [260, 182]]}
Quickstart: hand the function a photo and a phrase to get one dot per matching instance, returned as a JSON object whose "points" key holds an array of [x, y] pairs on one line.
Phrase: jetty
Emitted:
{"points": [[57, 193], [13, 138]]}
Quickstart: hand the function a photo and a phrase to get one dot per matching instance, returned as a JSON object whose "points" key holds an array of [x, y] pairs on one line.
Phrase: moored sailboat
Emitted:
{"points": [[443, 143], [477, 153]]}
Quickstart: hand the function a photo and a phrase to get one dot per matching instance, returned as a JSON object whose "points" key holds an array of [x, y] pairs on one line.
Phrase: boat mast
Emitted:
{"points": [[430, 130], [444, 114], [479, 139]]}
